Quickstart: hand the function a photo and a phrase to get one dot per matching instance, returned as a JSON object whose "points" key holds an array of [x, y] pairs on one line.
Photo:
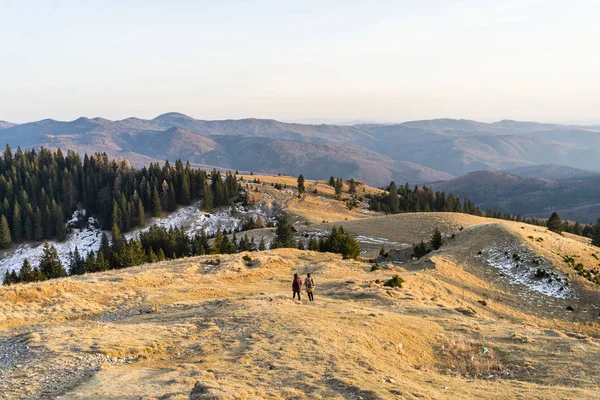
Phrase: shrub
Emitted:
{"points": [[375, 267], [420, 250], [247, 258], [396, 281]]}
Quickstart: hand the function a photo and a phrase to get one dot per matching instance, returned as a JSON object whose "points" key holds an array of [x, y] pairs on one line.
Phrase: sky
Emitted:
{"points": [[306, 61]]}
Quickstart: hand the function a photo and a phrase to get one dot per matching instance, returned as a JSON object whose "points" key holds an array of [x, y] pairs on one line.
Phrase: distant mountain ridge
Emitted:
{"points": [[552, 172], [576, 199], [415, 151], [6, 124]]}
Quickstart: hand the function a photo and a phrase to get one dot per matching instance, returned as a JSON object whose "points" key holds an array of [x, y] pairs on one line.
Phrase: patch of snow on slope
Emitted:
{"points": [[192, 218], [86, 240], [377, 240], [523, 267]]}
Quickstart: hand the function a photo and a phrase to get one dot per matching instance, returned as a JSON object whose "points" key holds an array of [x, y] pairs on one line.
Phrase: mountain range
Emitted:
{"points": [[415, 152], [575, 199]]}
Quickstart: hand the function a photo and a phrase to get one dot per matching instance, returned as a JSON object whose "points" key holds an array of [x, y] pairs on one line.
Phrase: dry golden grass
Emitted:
{"points": [[469, 358], [193, 328], [312, 207]]}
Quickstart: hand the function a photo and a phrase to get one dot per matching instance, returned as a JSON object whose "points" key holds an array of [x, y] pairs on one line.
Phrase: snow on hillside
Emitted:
{"points": [[86, 240], [192, 218], [523, 267]]}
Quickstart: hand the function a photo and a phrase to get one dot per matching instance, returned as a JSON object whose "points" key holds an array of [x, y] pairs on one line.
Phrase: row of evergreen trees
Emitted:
{"points": [[159, 244], [38, 189], [337, 241], [403, 199]]}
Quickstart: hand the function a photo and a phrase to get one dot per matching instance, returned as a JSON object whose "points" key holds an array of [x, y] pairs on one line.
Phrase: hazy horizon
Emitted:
{"points": [[386, 62]]}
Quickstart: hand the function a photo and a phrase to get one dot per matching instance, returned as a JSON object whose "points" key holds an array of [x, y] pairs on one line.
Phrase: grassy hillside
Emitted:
{"points": [[220, 327]]}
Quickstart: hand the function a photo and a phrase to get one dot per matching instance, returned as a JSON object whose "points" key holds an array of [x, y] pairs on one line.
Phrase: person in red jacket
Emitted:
{"points": [[296, 286]]}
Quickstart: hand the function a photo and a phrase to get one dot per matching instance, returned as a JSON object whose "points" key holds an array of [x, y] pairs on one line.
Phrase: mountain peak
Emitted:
{"points": [[171, 115]]}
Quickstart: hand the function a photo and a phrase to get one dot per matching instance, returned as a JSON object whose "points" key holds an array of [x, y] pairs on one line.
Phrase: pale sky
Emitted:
{"points": [[307, 60]]}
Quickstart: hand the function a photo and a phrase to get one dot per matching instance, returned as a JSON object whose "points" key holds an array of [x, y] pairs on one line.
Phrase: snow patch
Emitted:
{"points": [[525, 268], [377, 240], [87, 239]]}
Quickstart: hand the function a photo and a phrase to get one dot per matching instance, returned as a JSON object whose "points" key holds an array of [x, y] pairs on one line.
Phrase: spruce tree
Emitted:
{"points": [[172, 198], [5, 237], [26, 272], [301, 188], [595, 231], [284, 234], [207, 200], [436, 239], [261, 245], [89, 264], [156, 205], [50, 264], [393, 198], [17, 225], [76, 263], [102, 262], [554, 223], [61, 228], [38, 225]]}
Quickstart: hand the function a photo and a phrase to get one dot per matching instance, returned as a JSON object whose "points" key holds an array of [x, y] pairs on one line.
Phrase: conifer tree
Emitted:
{"points": [[393, 198], [38, 225], [436, 239], [102, 262], [172, 198], [261, 245], [76, 263], [554, 223], [26, 272], [89, 264], [156, 205], [61, 228], [5, 237], [16, 232], [301, 188], [207, 200], [595, 231], [284, 234], [50, 264]]}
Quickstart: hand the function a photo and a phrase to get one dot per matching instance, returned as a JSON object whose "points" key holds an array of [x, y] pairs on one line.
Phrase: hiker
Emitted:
{"points": [[309, 284], [297, 285]]}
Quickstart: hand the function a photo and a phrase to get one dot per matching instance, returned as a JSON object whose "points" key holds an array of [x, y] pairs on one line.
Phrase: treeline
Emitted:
{"points": [[337, 241], [159, 244], [403, 199], [39, 189]]}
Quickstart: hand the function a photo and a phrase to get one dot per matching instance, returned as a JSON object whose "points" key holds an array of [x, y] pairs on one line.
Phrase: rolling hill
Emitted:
{"points": [[576, 199], [552, 172], [466, 323], [374, 153]]}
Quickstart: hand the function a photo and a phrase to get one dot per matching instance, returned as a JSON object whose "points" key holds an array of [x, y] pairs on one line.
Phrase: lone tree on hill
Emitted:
{"points": [[554, 223], [596, 234], [436, 239], [301, 187], [393, 198]]}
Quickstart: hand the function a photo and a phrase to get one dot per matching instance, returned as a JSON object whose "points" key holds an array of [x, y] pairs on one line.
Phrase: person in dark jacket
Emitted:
{"points": [[296, 286]]}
